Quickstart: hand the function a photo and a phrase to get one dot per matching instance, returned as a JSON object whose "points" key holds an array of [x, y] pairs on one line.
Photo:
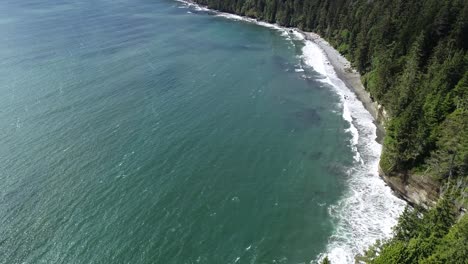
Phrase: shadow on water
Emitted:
{"points": [[312, 155], [308, 116], [303, 119], [165, 80], [281, 63]]}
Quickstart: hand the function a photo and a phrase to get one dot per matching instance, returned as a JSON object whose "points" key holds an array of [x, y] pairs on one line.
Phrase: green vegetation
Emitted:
{"points": [[326, 261], [424, 237], [413, 59]]}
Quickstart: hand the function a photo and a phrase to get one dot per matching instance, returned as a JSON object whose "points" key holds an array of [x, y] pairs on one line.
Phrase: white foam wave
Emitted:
{"points": [[297, 35], [284, 31], [369, 210], [314, 57], [195, 6]]}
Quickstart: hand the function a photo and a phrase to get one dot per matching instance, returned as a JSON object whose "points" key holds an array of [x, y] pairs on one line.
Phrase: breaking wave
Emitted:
{"points": [[369, 209]]}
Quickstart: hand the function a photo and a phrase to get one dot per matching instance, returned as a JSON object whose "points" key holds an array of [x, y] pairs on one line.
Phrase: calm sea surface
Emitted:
{"points": [[138, 131]]}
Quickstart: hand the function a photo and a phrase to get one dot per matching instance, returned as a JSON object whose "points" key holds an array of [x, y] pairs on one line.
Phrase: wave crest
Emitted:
{"points": [[369, 209]]}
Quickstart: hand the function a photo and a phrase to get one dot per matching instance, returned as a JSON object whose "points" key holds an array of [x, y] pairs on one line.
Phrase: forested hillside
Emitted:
{"points": [[413, 59], [433, 236]]}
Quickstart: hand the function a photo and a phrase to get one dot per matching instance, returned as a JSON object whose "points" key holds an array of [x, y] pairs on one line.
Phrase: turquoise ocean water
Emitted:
{"points": [[149, 132]]}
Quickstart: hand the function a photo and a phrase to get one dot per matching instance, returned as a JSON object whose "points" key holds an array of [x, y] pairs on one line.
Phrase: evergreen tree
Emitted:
{"points": [[326, 260], [413, 59]]}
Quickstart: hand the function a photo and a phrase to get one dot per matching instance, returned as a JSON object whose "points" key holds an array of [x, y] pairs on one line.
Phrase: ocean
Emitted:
{"points": [[155, 131]]}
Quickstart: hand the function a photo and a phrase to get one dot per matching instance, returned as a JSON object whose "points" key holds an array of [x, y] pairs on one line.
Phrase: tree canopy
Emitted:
{"points": [[413, 59], [421, 236]]}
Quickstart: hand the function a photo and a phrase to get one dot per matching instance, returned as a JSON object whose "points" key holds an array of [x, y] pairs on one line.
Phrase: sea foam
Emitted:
{"points": [[369, 209]]}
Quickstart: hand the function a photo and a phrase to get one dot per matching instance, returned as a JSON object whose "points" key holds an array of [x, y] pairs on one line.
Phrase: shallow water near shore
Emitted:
{"points": [[156, 132]]}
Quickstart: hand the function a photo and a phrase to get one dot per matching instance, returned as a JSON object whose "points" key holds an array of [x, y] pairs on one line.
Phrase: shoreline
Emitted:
{"points": [[350, 77], [415, 190], [380, 202], [343, 69]]}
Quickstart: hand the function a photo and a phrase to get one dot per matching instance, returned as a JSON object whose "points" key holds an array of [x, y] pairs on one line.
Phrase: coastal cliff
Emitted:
{"points": [[414, 73], [415, 189], [409, 67]]}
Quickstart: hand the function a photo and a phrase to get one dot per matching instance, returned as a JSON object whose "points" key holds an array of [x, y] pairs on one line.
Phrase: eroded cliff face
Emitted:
{"points": [[413, 64], [415, 189]]}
